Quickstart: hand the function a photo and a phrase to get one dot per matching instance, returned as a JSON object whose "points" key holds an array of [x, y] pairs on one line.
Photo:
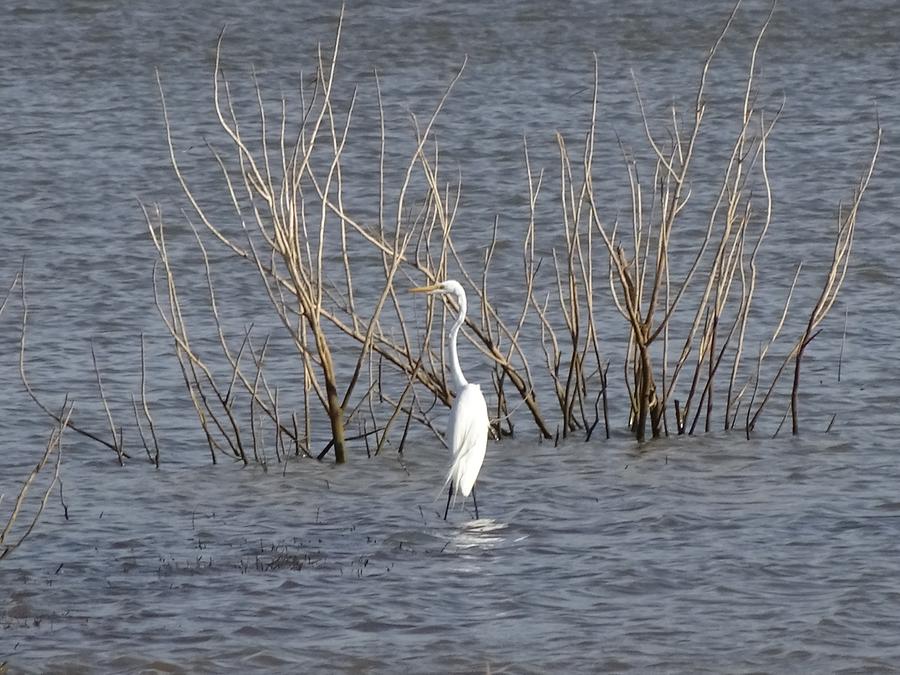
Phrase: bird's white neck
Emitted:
{"points": [[459, 380]]}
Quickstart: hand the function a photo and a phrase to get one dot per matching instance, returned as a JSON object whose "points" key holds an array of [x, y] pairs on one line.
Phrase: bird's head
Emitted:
{"points": [[449, 287]]}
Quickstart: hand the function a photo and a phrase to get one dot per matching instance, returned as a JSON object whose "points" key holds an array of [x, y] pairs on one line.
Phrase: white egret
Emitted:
{"points": [[467, 427]]}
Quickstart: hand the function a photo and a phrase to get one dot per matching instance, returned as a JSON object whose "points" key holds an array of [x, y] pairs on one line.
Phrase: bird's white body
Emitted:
{"points": [[467, 427], [467, 433]]}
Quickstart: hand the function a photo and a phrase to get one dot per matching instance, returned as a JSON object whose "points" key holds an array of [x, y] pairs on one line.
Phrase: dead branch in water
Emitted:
{"points": [[152, 455], [115, 443], [8, 543], [834, 278]]}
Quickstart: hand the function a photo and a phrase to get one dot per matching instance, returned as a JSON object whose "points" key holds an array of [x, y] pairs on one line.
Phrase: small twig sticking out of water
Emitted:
{"points": [[403, 464], [601, 395], [9, 292], [781, 423], [116, 437], [280, 455], [153, 455], [62, 500], [679, 419], [365, 429], [831, 423], [841, 353]]}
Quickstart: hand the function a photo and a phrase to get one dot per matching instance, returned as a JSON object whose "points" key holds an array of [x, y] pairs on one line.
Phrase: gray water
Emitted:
{"points": [[684, 555]]}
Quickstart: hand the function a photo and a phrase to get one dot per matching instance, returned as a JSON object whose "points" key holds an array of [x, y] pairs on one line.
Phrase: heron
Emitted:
{"points": [[467, 426]]}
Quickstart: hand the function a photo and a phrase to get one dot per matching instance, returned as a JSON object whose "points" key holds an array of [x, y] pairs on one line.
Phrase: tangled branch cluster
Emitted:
{"points": [[684, 366]]}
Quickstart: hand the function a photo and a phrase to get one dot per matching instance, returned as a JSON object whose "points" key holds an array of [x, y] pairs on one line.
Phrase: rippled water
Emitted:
{"points": [[707, 555], [689, 555]]}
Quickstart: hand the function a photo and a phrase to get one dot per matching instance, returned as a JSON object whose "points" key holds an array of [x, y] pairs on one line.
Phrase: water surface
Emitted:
{"points": [[710, 554]]}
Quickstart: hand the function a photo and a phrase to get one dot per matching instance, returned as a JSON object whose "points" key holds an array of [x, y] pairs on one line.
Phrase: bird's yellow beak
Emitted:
{"points": [[425, 289]]}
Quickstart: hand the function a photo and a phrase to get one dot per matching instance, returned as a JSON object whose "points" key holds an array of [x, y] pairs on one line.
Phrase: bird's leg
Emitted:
{"points": [[475, 500], [449, 497]]}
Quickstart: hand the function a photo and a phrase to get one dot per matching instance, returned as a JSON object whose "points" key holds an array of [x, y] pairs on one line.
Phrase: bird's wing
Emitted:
{"points": [[468, 438]]}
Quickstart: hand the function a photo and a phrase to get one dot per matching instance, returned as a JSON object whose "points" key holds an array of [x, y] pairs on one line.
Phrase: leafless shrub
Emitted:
{"points": [[684, 372], [285, 192], [296, 224], [721, 277]]}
